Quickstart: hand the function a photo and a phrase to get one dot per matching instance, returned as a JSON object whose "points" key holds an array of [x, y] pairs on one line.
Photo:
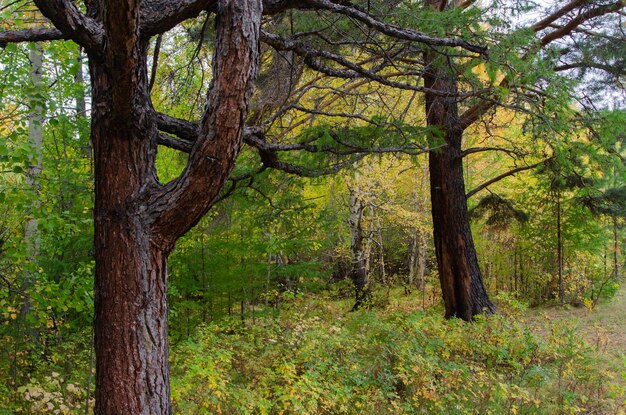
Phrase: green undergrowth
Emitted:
{"points": [[319, 360], [314, 357]]}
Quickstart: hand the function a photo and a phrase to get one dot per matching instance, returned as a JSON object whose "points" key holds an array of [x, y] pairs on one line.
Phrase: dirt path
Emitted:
{"points": [[604, 327]]}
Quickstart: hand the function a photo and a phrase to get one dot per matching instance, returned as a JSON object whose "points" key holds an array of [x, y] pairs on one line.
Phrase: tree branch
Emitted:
{"points": [[66, 17], [185, 130], [182, 202], [580, 19], [474, 150], [39, 34], [350, 10], [180, 145], [159, 16], [471, 115], [353, 70], [548, 20], [500, 177]]}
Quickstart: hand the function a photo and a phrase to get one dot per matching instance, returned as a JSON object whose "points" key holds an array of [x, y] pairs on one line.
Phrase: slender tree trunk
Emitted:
{"points": [[412, 260], [417, 259], [81, 108], [381, 247], [459, 274], [359, 272], [422, 248], [35, 165], [559, 247], [615, 249]]}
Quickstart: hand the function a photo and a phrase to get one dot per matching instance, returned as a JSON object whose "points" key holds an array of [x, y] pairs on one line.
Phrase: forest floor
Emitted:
{"points": [[603, 327]]}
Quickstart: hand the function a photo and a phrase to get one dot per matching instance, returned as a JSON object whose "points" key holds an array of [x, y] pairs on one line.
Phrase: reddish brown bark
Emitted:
{"points": [[461, 281], [137, 220]]}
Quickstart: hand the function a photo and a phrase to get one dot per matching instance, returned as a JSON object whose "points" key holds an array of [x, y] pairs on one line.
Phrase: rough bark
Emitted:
{"points": [[459, 274], [137, 220]]}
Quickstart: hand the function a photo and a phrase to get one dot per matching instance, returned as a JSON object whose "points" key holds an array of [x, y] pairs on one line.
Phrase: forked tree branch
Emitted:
{"points": [[181, 203], [66, 17], [473, 114], [354, 12]]}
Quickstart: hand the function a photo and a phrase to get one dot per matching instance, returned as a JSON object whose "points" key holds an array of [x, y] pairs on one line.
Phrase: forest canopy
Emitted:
{"points": [[372, 191]]}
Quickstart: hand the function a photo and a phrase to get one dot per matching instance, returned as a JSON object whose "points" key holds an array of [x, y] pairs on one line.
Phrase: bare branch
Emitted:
{"points": [[159, 16], [484, 149], [30, 35], [353, 70], [180, 145], [155, 61], [185, 130]]}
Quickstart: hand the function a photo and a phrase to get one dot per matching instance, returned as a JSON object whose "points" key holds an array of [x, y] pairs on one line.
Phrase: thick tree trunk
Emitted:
{"points": [[130, 321], [138, 220], [459, 274], [132, 374]]}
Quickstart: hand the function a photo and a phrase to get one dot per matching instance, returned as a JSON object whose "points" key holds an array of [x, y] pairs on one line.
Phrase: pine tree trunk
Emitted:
{"points": [[132, 373], [459, 274], [137, 219], [130, 322]]}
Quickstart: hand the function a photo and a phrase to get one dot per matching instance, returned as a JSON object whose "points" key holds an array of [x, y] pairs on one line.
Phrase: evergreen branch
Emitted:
{"points": [[548, 20], [352, 70], [502, 176], [348, 9], [580, 19], [473, 114]]}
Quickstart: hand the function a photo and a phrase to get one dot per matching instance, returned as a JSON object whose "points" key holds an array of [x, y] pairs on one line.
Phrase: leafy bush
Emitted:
{"points": [[396, 363]]}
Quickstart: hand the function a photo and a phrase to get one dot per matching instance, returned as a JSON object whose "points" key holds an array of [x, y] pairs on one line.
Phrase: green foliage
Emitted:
{"points": [[315, 361], [501, 211]]}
